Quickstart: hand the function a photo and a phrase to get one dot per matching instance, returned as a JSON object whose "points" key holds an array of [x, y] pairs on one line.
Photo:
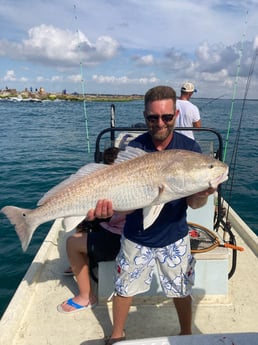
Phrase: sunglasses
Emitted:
{"points": [[155, 118]]}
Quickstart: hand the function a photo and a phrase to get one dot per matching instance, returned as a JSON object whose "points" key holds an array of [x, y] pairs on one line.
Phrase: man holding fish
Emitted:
{"points": [[165, 242]]}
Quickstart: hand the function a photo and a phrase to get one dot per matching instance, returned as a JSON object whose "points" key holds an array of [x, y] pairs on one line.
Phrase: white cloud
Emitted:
{"points": [[50, 45], [207, 54], [221, 75], [123, 80], [75, 78], [10, 76], [106, 47], [147, 81], [145, 60], [131, 43], [40, 79], [56, 78]]}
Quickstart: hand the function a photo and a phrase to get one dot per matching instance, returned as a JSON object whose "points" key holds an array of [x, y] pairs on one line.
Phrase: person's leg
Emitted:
{"points": [[184, 311], [76, 247], [176, 266], [131, 259], [121, 306]]}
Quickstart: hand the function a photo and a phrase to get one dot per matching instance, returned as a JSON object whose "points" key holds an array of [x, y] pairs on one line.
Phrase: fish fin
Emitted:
{"points": [[69, 223], [129, 153], [150, 214], [83, 171], [19, 217]]}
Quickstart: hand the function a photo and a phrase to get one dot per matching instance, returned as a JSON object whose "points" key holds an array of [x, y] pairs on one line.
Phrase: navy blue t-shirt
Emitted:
{"points": [[171, 224]]}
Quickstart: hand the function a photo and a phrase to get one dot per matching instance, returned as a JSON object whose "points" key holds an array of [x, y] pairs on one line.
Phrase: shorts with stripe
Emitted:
{"points": [[135, 266]]}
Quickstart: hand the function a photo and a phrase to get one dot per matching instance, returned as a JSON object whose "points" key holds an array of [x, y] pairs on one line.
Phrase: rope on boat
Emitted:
{"points": [[83, 90]]}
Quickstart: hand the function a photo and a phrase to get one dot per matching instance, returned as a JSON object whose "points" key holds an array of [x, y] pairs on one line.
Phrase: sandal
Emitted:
{"points": [[77, 307], [111, 341]]}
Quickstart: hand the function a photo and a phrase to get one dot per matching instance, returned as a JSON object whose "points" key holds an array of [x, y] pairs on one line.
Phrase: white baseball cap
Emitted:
{"points": [[188, 87]]}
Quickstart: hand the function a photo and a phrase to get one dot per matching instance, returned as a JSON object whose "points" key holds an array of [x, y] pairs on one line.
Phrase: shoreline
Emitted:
{"points": [[33, 96]]}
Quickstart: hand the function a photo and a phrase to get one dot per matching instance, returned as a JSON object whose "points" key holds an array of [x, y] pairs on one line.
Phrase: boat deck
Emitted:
{"points": [[32, 316]]}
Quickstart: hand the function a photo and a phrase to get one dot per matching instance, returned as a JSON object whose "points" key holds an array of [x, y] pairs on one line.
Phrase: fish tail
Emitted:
{"points": [[24, 228]]}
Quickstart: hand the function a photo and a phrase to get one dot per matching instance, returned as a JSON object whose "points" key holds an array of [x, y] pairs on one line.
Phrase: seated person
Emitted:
{"points": [[84, 247]]}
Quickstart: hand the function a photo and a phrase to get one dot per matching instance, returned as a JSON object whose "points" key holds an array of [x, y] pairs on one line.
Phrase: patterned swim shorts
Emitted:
{"points": [[135, 267]]}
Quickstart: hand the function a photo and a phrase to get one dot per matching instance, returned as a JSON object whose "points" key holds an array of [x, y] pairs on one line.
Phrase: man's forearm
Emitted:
{"points": [[199, 199], [196, 201]]}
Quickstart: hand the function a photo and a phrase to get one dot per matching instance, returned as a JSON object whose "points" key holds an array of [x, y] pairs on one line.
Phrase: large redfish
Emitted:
{"points": [[136, 180]]}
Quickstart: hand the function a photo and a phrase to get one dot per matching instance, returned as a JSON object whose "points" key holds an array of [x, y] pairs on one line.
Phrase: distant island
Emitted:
{"points": [[42, 95]]}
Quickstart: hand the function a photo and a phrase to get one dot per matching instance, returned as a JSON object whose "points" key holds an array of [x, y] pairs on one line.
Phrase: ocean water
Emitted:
{"points": [[43, 143]]}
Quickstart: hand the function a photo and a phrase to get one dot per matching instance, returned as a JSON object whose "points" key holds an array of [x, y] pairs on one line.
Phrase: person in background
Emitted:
{"points": [[166, 242], [84, 248], [189, 115]]}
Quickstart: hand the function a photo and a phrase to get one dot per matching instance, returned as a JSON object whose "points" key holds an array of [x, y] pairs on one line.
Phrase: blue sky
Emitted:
{"points": [[128, 46]]}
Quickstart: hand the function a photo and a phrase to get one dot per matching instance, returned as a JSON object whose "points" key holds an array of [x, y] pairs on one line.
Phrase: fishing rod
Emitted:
{"points": [[234, 94], [211, 101], [238, 133], [83, 89], [233, 162], [226, 224]]}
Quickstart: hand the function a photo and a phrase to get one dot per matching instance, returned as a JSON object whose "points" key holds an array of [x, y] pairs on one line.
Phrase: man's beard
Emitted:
{"points": [[160, 136]]}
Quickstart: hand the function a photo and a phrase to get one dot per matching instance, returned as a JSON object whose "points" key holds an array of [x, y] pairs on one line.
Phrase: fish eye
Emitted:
{"points": [[211, 166]]}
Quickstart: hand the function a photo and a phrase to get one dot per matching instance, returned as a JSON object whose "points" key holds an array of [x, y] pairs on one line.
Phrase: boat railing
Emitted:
{"points": [[120, 137]]}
